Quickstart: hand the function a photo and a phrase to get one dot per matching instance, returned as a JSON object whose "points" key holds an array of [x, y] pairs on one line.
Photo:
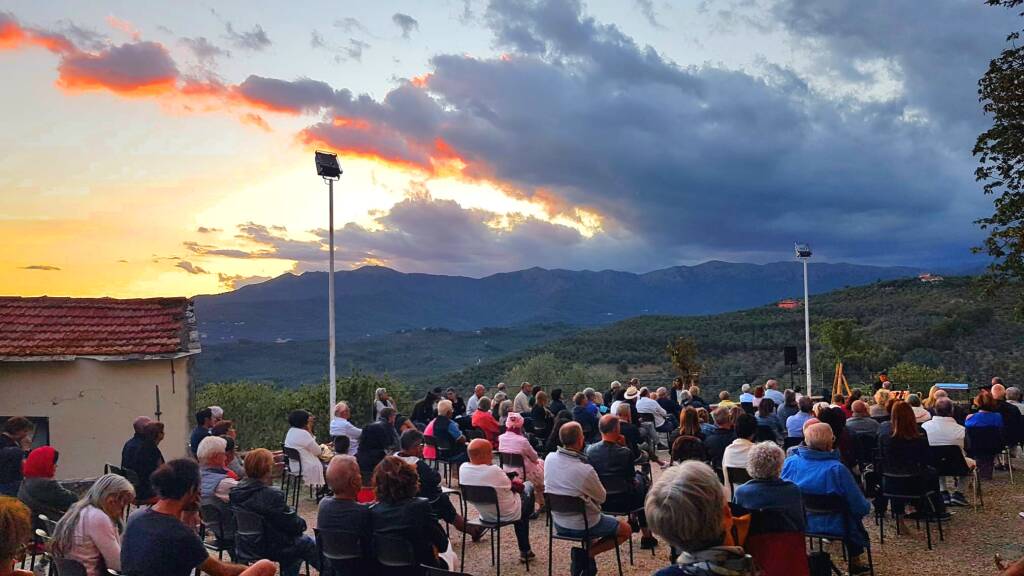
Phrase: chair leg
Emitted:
{"points": [[1009, 465], [550, 540], [498, 530], [618, 556], [871, 561]]}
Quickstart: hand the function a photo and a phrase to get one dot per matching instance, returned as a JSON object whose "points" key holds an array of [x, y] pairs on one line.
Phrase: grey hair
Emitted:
{"points": [[340, 407], [1013, 393], [623, 410], [745, 388], [504, 408], [210, 446], [217, 412], [589, 393], [445, 408], [764, 461], [944, 407], [685, 506], [914, 400], [104, 487]]}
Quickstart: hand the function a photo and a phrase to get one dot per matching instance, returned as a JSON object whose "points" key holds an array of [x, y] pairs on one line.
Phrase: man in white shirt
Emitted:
{"points": [[943, 430], [737, 453], [474, 400], [521, 404], [771, 390], [567, 472], [647, 405], [745, 396], [340, 426], [480, 471], [1013, 396]]}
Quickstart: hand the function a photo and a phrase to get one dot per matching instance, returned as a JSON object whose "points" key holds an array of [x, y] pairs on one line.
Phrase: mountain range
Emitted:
{"points": [[374, 301]]}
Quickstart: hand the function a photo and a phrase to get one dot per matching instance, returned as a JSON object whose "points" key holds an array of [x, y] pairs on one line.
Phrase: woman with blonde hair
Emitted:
{"points": [[90, 531], [933, 395]]}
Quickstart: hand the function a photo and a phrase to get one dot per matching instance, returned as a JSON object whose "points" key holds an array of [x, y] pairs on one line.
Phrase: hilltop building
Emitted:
{"points": [[788, 304], [929, 278], [83, 368]]}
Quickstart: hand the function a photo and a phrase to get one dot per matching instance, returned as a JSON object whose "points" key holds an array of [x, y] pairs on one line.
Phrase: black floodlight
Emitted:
{"points": [[803, 251], [327, 165]]}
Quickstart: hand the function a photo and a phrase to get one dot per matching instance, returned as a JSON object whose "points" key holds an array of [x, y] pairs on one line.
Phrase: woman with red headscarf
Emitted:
{"points": [[39, 491]]}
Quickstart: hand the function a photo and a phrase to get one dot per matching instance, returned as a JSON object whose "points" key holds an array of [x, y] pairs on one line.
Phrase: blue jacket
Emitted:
{"points": [[775, 494], [817, 472]]}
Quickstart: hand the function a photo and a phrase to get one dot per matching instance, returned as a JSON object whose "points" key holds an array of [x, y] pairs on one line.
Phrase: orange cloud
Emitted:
{"points": [[135, 69], [14, 36], [255, 120], [124, 26]]}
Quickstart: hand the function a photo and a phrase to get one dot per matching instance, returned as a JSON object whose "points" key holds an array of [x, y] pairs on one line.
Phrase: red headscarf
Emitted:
{"points": [[41, 463]]}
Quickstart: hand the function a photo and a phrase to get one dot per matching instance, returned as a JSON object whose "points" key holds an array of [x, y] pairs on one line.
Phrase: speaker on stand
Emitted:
{"points": [[789, 353]]}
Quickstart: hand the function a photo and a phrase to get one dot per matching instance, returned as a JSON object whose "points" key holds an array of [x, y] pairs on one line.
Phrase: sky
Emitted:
{"points": [[167, 148]]}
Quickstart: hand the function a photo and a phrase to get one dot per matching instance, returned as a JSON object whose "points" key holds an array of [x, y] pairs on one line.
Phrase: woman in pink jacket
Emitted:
{"points": [[514, 442]]}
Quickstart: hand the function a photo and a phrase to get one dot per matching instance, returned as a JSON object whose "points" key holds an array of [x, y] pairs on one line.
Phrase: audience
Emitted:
{"points": [[944, 430], [89, 532], [695, 400], [496, 402], [685, 507], [341, 425], [920, 413], [39, 491], [795, 423], [216, 483], [905, 451], [515, 497], [724, 400], [204, 422], [688, 448], [411, 443], [540, 416], [767, 417], [447, 434], [720, 437], [284, 540], [557, 405], [300, 437], [458, 404], [484, 421], [879, 410], [474, 400], [423, 411], [860, 422], [987, 417], [766, 489], [503, 411], [375, 441], [584, 416], [569, 474], [342, 513], [157, 542], [521, 404], [15, 441], [758, 396], [1013, 398], [614, 464], [553, 441], [1013, 423], [16, 526], [816, 469], [736, 454], [399, 513], [513, 441], [381, 400], [667, 402], [788, 408]]}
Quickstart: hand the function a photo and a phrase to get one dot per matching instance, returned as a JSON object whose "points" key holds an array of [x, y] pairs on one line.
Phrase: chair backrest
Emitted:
{"points": [[791, 441], [563, 504], [737, 476], [435, 571], [292, 455], [480, 496], [985, 441], [764, 433], [511, 460], [616, 485], [430, 441], [212, 520], [393, 551], [948, 461], [867, 447], [748, 407], [69, 567], [645, 417], [908, 485], [770, 521], [109, 468], [249, 534], [338, 545], [826, 505]]}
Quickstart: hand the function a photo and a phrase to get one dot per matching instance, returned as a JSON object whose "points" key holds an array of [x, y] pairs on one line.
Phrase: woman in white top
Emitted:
{"points": [[381, 400], [300, 437], [90, 530]]}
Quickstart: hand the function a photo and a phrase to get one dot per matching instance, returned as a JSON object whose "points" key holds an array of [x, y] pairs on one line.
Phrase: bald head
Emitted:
{"points": [[480, 451], [819, 437], [571, 436], [860, 408], [998, 391], [139, 424], [479, 390], [343, 477], [608, 426]]}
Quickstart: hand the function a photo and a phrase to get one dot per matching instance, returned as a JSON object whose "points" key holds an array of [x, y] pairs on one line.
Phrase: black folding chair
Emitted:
{"points": [[214, 524], [737, 477], [69, 567], [509, 460], [791, 441], [765, 433], [435, 571], [828, 505], [249, 536], [617, 486], [292, 480], [339, 550], [442, 455], [481, 497], [910, 487], [573, 505], [950, 461], [393, 551]]}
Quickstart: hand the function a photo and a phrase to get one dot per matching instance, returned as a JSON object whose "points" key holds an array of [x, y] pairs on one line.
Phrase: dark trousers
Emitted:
{"points": [[304, 550], [522, 527]]}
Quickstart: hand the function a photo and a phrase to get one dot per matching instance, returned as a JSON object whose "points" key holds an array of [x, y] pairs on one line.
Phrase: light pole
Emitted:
{"points": [[327, 168], [803, 253]]}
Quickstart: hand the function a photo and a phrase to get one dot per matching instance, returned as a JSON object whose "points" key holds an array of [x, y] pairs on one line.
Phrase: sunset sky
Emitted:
{"points": [[166, 148]]}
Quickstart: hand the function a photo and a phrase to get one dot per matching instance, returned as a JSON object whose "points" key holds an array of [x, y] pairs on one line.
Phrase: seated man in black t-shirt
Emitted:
{"points": [[342, 513], [156, 541]]}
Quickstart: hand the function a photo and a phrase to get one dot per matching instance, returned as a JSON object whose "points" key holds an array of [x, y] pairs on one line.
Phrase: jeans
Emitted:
{"points": [[522, 526], [304, 550]]}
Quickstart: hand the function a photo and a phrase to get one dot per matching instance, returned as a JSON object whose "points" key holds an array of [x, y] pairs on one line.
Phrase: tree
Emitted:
{"points": [[683, 354], [1000, 152], [842, 340]]}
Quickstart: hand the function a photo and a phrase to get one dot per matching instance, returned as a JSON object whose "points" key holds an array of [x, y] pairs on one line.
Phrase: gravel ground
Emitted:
{"points": [[971, 541]]}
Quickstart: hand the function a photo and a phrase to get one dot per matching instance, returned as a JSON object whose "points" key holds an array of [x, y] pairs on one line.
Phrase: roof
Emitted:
{"points": [[47, 328]]}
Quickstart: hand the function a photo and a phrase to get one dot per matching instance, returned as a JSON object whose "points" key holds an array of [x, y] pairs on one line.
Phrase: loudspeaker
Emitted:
{"points": [[790, 354]]}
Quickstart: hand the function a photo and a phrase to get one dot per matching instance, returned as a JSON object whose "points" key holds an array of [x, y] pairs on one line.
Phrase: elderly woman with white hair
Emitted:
{"points": [[687, 508], [514, 441], [89, 532], [766, 490], [447, 434], [381, 400]]}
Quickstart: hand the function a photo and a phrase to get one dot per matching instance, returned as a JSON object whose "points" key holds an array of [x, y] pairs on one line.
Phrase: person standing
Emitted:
{"points": [[204, 423], [14, 444]]}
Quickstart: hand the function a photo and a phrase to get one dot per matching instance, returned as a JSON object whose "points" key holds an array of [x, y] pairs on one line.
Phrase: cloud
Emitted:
{"points": [[205, 230], [646, 7], [40, 267], [237, 281], [268, 242], [255, 120], [255, 39], [351, 51], [190, 267], [13, 36], [351, 25], [406, 23], [127, 69], [124, 26], [206, 52]]}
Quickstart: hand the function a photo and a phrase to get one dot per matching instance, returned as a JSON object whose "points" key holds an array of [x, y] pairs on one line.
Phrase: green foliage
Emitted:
{"points": [[1000, 152], [260, 410], [548, 371], [919, 378], [682, 353], [843, 340]]}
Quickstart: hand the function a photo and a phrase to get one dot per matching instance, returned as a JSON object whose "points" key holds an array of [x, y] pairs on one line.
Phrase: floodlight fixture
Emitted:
{"points": [[803, 251], [327, 165]]}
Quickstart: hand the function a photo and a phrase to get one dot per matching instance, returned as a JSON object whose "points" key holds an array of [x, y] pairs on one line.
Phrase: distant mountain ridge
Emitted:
{"points": [[374, 300]]}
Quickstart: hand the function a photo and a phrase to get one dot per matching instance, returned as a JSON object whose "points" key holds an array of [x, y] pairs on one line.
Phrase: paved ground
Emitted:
{"points": [[972, 540]]}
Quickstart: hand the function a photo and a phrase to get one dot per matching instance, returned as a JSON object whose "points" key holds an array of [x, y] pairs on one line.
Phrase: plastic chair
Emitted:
{"points": [[737, 477], [479, 497], [510, 460], [776, 544], [910, 487], [213, 522], [832, 504], [338, 547], [617, 486], [576, 506], [393, 551], [249, 536], [950, 461]]}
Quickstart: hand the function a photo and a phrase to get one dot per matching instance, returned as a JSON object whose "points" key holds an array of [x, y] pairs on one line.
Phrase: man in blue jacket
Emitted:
{"points": [[816, 469]]}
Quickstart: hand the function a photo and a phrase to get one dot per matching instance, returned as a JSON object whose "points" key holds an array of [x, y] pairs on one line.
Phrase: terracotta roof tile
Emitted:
{"points": [[45, 327]]}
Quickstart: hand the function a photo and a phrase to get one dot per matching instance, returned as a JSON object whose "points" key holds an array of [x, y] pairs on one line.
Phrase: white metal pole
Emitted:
{"points": [[807, 329], [330, 300]]}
